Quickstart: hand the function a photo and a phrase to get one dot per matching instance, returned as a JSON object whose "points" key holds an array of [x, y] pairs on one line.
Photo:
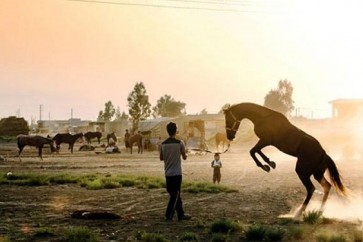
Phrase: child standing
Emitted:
{"points": [[216, 165]]}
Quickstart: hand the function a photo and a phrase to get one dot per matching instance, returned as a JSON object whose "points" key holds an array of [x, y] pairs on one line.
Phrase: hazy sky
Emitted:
{"points": [[77, 55]]}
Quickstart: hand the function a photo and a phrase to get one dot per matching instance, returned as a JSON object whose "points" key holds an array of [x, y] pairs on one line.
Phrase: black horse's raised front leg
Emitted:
{"points": [[267, 160], [257, 149]]}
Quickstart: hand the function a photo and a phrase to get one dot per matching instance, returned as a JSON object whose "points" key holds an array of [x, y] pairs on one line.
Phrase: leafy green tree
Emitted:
{"points": [[108, 113], [166, 106], [280, 99], [139, 105]]}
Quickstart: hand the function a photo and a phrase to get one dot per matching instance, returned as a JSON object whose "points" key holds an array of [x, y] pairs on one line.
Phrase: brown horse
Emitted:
{"points": [[37, 141], [68, 139], [273, 128], [221, 138], [91, 135], [136, 139]]}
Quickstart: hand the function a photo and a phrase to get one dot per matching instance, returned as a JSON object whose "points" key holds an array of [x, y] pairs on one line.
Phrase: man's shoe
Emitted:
{"points": [[185, 217]]}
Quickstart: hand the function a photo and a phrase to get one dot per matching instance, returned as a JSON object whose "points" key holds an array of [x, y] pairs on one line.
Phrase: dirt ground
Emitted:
{"points": [[261, 198]]}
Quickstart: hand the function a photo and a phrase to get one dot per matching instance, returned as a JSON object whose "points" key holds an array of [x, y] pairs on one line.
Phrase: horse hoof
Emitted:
{"points": [[266, 168], [272, 164]]}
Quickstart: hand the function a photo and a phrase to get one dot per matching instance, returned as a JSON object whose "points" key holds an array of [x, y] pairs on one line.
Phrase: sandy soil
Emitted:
{"points": [[262, 197]]}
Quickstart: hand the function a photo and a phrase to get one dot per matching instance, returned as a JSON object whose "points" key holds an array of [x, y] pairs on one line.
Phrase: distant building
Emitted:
{"points": [[76, 125], [347, 110]]}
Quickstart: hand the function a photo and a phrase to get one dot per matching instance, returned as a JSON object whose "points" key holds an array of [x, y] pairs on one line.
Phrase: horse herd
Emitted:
{"points": [[70, 139]]}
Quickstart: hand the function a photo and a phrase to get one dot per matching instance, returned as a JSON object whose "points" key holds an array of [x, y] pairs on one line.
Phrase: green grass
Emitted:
{"points": [[196, 187], [80, 234], [256, 232], [107, 181], [43, 232], [189, 237], [331, 238], [153, 237], [224, 226], [312, 217]]}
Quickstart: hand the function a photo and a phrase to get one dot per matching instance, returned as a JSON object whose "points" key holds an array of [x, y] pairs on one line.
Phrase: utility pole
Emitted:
{"points": [[40, 111]]}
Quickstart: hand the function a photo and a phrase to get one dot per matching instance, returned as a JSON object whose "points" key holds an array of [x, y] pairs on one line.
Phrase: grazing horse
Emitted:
{"points": [[111, 136], [91, 135], [221, 138], [136, 138], [37, 141], [273, 128], [68, 139]]}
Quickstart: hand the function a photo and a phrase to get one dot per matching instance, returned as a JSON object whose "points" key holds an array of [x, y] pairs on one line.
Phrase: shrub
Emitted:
{"points": [[312, 217], [224, 226], [296, 233], [81, 234], [255, 233], [357, 236], [275, 234], [43, 232], [189, 237], [219, 238], [333, 238]]}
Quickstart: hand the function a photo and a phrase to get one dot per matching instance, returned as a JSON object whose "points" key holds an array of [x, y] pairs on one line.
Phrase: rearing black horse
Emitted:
{"points": [[273, 128], [68, 139]]}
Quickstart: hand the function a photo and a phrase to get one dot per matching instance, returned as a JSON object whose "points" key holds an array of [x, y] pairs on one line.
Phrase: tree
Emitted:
{"points": [[166, 106], [120, 116], [139, 105], [203, 112], [13, 126], [280, 99], [108, 113]]}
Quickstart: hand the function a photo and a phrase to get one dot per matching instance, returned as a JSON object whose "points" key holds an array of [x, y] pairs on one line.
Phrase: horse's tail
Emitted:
{"points": [[335, 176]]}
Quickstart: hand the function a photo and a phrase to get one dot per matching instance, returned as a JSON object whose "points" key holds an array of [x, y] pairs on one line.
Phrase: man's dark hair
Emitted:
{"points": [[171, 128]]}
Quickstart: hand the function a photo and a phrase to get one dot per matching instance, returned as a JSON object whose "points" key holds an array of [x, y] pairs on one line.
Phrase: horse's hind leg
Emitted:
{"points": [[305, 179], [319, 176]]}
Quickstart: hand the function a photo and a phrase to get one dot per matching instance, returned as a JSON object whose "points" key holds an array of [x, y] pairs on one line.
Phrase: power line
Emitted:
{"points": [[156, 5]]}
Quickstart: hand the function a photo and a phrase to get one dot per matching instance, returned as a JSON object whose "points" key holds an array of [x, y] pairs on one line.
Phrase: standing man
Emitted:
{"points": [[171, 152], [126, 139]]}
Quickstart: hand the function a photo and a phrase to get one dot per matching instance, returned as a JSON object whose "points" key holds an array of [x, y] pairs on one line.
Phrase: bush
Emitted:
{"points": [[224, 226], [219, 238], [297, 233], [255, 233], [312, 217], [189, 237], [333, 238], [13, 126], [275, 234], [81, 234]]}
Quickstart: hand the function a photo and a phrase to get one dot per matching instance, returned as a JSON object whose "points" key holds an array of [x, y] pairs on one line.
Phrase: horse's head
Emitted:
{"points": [[232, 123], [80, 137], [52, 147]]}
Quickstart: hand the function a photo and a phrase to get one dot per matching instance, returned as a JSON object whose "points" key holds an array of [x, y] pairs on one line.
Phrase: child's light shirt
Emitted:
{"points": [[216, 163]]}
